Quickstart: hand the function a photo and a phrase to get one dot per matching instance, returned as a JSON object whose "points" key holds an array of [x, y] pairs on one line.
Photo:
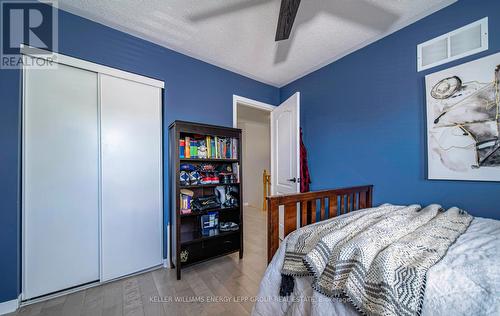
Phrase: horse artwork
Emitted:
{"points": [[463, 121]]}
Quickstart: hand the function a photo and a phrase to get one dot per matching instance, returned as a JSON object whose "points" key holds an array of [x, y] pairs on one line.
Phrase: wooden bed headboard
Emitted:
{"points": [[336, 202]]}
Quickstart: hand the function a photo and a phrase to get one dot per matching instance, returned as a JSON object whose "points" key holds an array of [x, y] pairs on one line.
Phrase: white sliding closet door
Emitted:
{"points": [[131, 177], [60, 180]]}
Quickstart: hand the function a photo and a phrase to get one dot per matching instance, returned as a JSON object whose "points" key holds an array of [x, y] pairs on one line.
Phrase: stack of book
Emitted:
{"points": [[210, 147]]}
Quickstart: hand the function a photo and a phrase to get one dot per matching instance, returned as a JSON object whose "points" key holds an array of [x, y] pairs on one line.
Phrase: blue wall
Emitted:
{"points": [[364, 117], [194, 91]]}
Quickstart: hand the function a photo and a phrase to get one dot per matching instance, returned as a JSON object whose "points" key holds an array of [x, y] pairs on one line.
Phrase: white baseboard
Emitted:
{"points": [[9, 306]]}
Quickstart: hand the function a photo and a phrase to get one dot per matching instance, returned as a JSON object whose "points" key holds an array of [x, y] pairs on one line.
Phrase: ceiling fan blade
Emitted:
{"points": [[288, 11]]}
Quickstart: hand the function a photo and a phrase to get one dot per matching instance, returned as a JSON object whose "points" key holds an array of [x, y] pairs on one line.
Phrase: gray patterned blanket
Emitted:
{"points": [[377, 258]]}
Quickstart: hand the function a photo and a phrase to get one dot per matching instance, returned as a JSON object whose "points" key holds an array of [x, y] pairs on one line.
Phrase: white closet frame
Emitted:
{"points": [[99, 69], [87, 65]]}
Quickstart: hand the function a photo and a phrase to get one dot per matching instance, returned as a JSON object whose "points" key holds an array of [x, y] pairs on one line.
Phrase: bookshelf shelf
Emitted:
{"points": [[222, 209], [194, 236], [187, 243], [213, 185], [227, 160]]}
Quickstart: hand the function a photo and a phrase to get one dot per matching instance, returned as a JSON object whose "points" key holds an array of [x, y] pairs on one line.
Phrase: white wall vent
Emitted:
{"points": [[465, 41]]}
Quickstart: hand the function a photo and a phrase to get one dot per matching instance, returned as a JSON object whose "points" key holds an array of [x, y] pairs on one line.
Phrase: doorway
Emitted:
{"points": [[270, 136], [254, 119]]}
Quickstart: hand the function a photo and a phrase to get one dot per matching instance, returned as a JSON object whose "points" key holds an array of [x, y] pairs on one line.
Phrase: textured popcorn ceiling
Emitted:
{"points": [[239, 34]]}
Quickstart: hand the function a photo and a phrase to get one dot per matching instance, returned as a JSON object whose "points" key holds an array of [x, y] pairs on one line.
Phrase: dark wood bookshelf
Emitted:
{"points": [[185, 234]]}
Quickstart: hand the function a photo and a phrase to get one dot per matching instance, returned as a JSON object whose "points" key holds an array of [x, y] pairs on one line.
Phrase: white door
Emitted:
{"points": [[60, 180], [285, 149], [131, 133]]}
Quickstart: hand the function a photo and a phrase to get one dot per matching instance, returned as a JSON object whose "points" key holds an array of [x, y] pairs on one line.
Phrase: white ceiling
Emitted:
{"points": [[238, 35]]}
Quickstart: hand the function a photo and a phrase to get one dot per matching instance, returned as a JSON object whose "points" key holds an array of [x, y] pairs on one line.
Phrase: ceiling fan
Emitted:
{"points": [[288, 11], [363, 12]]}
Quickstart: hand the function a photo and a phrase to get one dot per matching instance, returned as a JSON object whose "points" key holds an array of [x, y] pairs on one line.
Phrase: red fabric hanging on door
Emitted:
{"points": [[305, 178]]}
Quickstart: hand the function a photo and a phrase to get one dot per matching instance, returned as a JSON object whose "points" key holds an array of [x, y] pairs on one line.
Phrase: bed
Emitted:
{"points": [[463, 280]]}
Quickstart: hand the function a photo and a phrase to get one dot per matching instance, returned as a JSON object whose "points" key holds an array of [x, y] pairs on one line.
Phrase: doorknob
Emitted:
{"points": [[293, 179]]}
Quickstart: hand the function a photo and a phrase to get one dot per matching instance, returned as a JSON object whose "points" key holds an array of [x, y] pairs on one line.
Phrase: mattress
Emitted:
{"points": [[465, 282]]}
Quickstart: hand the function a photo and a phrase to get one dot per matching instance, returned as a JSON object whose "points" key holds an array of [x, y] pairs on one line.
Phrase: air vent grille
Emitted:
{"points": [[465, 41]]}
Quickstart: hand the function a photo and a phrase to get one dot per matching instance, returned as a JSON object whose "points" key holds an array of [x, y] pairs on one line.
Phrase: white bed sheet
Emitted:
{"points": [[465, 282]]}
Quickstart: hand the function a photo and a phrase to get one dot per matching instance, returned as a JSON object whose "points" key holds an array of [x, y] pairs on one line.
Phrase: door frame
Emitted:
{"points": [[242, 101], [238, 100]]}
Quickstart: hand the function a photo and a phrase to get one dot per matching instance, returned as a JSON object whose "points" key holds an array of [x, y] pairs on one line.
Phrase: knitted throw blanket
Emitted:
{"points": [[377, 258]]}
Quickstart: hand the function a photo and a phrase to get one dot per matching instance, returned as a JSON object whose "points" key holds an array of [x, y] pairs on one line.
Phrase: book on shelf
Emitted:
{"points": [[182, 148], [216, 144], [187, 148], [194, 149], [235, 147], [212, 147], [224, 148], [207, 144]]}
